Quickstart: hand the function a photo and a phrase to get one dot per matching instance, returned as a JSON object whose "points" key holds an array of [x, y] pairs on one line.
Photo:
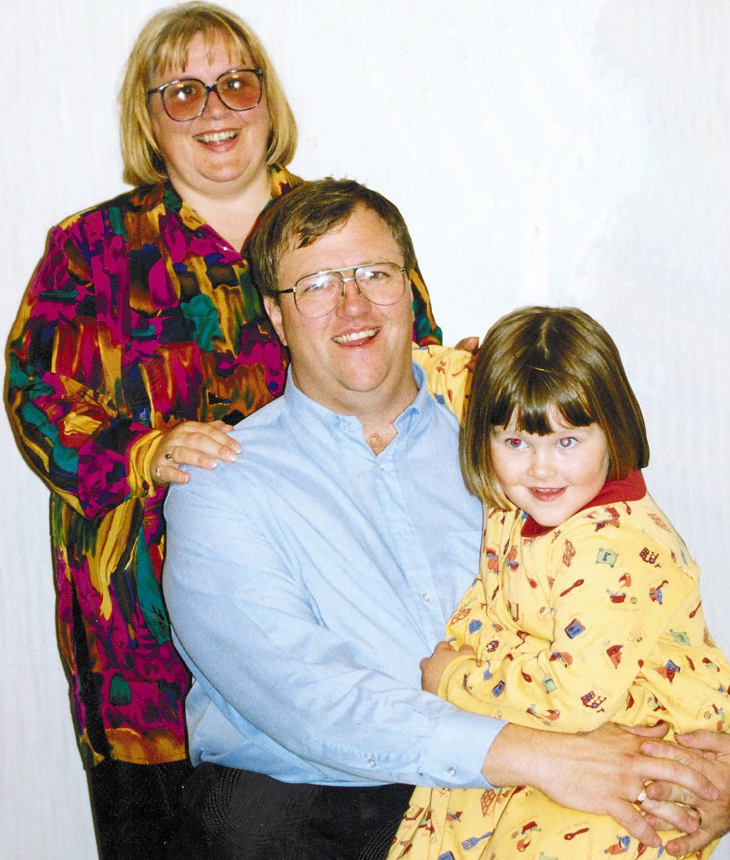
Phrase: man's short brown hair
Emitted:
{"points": [[312, 210]]}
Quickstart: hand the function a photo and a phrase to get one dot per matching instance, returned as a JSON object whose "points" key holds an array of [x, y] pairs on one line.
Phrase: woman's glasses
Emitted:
{"points": [[187, 98]]}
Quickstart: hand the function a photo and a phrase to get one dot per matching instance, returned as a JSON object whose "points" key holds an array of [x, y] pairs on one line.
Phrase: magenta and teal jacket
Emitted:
{"points": [[139, 316]]}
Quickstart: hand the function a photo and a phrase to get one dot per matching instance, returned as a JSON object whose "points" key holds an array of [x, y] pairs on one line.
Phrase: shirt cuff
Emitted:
{"points": [[458, 749], [141, 452]]}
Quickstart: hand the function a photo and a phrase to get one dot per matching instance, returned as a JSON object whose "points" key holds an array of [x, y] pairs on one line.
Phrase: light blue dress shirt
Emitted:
{"points": [[305, 583]]}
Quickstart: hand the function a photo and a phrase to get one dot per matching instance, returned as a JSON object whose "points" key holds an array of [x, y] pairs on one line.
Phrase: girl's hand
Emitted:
{"points": [[192, 443], [468, 344], [432, 668]]}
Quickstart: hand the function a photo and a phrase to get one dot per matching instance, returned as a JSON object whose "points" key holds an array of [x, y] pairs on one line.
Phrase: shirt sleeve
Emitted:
{"points": [[575, 673], [64, 385], [288, 685]]}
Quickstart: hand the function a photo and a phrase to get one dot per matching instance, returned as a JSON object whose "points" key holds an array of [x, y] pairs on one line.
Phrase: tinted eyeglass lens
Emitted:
{"points": [[239, 90], [184, 99]]}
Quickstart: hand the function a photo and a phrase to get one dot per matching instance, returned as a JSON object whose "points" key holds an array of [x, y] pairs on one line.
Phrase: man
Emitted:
{"points": [[306, 581]]}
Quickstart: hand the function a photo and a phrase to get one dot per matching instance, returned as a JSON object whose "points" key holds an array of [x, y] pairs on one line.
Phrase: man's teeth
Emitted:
{"points": [[356, 335], [215, 137]]}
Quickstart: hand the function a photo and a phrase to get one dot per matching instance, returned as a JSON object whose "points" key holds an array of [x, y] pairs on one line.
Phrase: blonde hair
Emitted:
{"points": [[163, 44], [537, 358]]}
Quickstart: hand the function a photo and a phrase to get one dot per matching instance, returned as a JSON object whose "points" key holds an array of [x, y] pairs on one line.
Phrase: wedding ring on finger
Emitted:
{"points": [[168, 460], [642, 796]]}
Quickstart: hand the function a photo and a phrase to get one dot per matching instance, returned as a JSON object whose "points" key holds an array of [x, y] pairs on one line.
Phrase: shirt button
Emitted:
{"points": [[381, 467], [371, 762], [451, 771], [426, 598]]}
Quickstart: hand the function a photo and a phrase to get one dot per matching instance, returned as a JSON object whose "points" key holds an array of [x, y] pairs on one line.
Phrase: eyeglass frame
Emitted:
{"points": [[354, 270], [208, 90]]}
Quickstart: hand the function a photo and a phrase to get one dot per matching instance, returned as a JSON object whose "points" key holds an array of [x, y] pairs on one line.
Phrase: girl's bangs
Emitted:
{"points": [[532, 403]]}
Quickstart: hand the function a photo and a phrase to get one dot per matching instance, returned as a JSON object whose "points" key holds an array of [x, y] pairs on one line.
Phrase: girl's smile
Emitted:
{"points": [[550, 477]]}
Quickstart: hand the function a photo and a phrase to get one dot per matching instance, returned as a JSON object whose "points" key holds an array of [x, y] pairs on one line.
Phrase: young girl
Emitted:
{"points": [[587, 605]]}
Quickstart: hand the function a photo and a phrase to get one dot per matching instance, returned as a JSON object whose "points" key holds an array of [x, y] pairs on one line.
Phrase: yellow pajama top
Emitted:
{"points": [[597, 619]]}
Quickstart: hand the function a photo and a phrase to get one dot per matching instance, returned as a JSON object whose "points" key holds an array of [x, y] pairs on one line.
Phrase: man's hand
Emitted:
{"points": [[709, 754], [602, 771], [432, 668]]}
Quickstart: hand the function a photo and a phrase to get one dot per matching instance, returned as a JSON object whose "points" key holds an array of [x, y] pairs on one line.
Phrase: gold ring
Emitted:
{"points": [[699, 815], [168, 455], [157, 472]]}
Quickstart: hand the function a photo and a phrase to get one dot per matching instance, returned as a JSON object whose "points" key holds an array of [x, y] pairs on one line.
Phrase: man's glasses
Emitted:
{"points": [[186, 99], [319, 294]]}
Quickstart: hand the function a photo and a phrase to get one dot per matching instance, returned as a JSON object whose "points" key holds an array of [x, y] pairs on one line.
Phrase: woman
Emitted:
{"points": [[140, 340]]}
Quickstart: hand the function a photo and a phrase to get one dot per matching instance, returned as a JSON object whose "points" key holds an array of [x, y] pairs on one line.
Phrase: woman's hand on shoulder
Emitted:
{"points": [[192, 443]]}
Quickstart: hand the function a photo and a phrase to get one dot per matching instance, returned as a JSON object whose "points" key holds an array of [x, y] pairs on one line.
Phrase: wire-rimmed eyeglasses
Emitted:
{"points": [[186, 98], [319, 294]]}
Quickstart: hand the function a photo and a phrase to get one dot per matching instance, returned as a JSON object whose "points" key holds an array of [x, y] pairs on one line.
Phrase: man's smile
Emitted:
{"points": [[354, 336]]}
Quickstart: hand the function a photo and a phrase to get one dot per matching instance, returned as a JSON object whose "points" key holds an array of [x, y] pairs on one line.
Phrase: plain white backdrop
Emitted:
{"points": [[542, 151]]}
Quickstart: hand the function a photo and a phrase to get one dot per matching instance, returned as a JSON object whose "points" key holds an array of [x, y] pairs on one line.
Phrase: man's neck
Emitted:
{"points": [[378, 425], [379, 442], [376, 411]]}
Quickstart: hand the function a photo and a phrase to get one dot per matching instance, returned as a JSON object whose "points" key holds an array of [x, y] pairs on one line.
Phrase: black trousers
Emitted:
{"points": [[232, 814], [136, 808]]}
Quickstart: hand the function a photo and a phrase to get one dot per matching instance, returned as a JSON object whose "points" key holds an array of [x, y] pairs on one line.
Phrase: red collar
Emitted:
{"points": [[630, 489]]}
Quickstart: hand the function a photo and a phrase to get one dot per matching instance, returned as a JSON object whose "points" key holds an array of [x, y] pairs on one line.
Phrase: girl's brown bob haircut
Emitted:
{"points": [[537, 358], [163, 44]]}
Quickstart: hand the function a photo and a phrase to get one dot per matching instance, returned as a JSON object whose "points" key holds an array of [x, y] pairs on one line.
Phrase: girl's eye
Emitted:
{"points": [[515, 443], [567, 442]]}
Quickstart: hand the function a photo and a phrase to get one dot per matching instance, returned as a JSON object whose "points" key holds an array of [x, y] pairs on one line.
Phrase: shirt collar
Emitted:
{"points": [[629, 489], [334, 427]]}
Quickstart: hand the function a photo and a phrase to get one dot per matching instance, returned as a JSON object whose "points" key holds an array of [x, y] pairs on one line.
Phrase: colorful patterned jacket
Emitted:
{"points": [[138, 317]]}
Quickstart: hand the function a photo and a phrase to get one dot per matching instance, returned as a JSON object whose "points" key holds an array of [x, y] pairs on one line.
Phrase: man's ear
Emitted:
{"points": [[274, 311]]}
